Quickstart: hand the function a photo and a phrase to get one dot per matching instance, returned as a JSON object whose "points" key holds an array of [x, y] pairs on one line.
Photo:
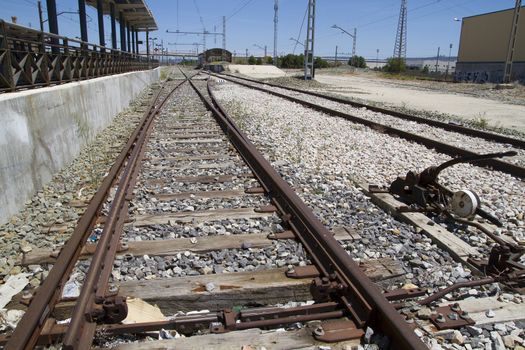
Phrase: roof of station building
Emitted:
{"points": [[135, 12]]}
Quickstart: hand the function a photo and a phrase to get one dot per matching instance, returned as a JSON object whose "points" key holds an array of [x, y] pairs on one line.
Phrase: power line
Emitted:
{"points": [[199, 13], [240, 9], [300, 30], [393, 16]]}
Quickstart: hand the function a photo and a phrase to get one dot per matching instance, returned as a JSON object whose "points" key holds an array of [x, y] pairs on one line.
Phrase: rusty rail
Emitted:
{"points": [[436, 123], [338, 272], [26, 334], [502, 166], [339, 276]]}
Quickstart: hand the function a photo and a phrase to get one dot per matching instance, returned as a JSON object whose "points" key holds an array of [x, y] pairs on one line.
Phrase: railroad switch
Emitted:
{"points": [[423, 193]]}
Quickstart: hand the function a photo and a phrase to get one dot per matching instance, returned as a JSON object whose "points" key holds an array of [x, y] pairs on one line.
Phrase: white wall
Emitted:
{"points": [[43, 130]]}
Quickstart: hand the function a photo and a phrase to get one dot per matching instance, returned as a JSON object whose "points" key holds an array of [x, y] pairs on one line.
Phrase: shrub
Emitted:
{"points": [[320, 63], [258, 61], [251, 60], [395, 65], [357, 61]]}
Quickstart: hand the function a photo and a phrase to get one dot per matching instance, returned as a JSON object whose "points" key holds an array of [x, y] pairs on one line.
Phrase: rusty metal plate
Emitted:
{"points": [[401, 294], [254, 190], [449, 323], [282, 235], [337, 331], [266, 209]]}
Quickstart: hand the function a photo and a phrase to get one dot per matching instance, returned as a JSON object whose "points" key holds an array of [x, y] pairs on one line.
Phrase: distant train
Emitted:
{"points": [[214, 55]]}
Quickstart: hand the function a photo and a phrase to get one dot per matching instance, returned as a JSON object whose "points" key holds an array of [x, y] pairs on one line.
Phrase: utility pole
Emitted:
{"points": [[448, 62], [40, 16], [507, 73], [400, 46], [437, 59], [275, 21], [246, 56], [224, 32], [354, 43], [353, 36], [335, 60], [309, 45]]}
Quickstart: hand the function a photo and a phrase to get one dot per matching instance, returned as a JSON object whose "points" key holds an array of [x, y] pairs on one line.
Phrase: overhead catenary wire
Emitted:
{"points": [[239, 9], [300, 30]]}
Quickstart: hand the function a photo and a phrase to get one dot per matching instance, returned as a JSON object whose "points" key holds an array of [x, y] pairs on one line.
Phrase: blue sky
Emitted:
{"points": [[430, 23]]}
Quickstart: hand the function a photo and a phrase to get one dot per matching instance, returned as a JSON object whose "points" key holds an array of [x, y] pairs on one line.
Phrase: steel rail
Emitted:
{"points": [[436, 123], [47, 295], [499, 165], [83, 325], [30, 326], [357, 292]]}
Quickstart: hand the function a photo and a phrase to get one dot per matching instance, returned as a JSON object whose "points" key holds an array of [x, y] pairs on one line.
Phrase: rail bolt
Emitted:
{"points": [[319, 331], [440, 318]]}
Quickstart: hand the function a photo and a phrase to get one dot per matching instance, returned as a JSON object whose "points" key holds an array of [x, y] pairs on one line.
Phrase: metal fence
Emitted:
{"points": [[31, 58]]}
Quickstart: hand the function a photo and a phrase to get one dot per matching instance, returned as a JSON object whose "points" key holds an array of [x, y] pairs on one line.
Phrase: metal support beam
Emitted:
{"points": [[53, 23], [122, 26], [128, 30], [275, 22], [100, 16], [40, 15], [147, 44], [507, 74], [113, 26], [309, 45], [224, 32], [132, 32], [354, 42], [136, 41], [82, 19]]}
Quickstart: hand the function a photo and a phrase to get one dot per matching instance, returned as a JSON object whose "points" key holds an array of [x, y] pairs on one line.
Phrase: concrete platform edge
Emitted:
{"points": [[43, 130]]}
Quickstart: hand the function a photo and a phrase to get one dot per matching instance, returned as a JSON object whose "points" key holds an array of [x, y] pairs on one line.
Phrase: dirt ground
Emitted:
{"points": [[483, 103]]}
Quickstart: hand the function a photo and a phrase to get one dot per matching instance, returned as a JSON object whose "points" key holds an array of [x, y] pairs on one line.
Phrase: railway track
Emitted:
{"points": [[168, 153], [490, 136], [387, 121], [193, 217]]}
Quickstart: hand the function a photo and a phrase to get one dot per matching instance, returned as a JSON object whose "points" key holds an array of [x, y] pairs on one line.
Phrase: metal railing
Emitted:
{"points": [[30, 58]]}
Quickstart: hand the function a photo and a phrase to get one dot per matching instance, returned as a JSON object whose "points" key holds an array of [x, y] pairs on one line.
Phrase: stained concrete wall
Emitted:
{"points": [[488, 72], [43, 130]]}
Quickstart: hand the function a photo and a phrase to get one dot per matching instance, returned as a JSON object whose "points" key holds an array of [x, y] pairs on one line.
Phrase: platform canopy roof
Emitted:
{"points": [[136, 13]]}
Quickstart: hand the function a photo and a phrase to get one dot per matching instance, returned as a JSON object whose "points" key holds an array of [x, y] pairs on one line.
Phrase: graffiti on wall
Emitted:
{"points": [[483, 76]]}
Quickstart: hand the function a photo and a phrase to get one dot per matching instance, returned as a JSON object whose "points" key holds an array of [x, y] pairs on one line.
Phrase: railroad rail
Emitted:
{"points": [[32, 324], [512, 169], [346, 299], [340, 287], [490, 136]]}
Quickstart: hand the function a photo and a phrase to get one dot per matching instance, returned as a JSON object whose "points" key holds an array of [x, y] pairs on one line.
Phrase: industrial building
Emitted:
{"points": [[484, 45], [214, 55]]}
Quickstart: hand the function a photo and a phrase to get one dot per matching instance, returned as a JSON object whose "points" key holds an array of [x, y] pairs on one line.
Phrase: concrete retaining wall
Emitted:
{"points": [[43, 130]]}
